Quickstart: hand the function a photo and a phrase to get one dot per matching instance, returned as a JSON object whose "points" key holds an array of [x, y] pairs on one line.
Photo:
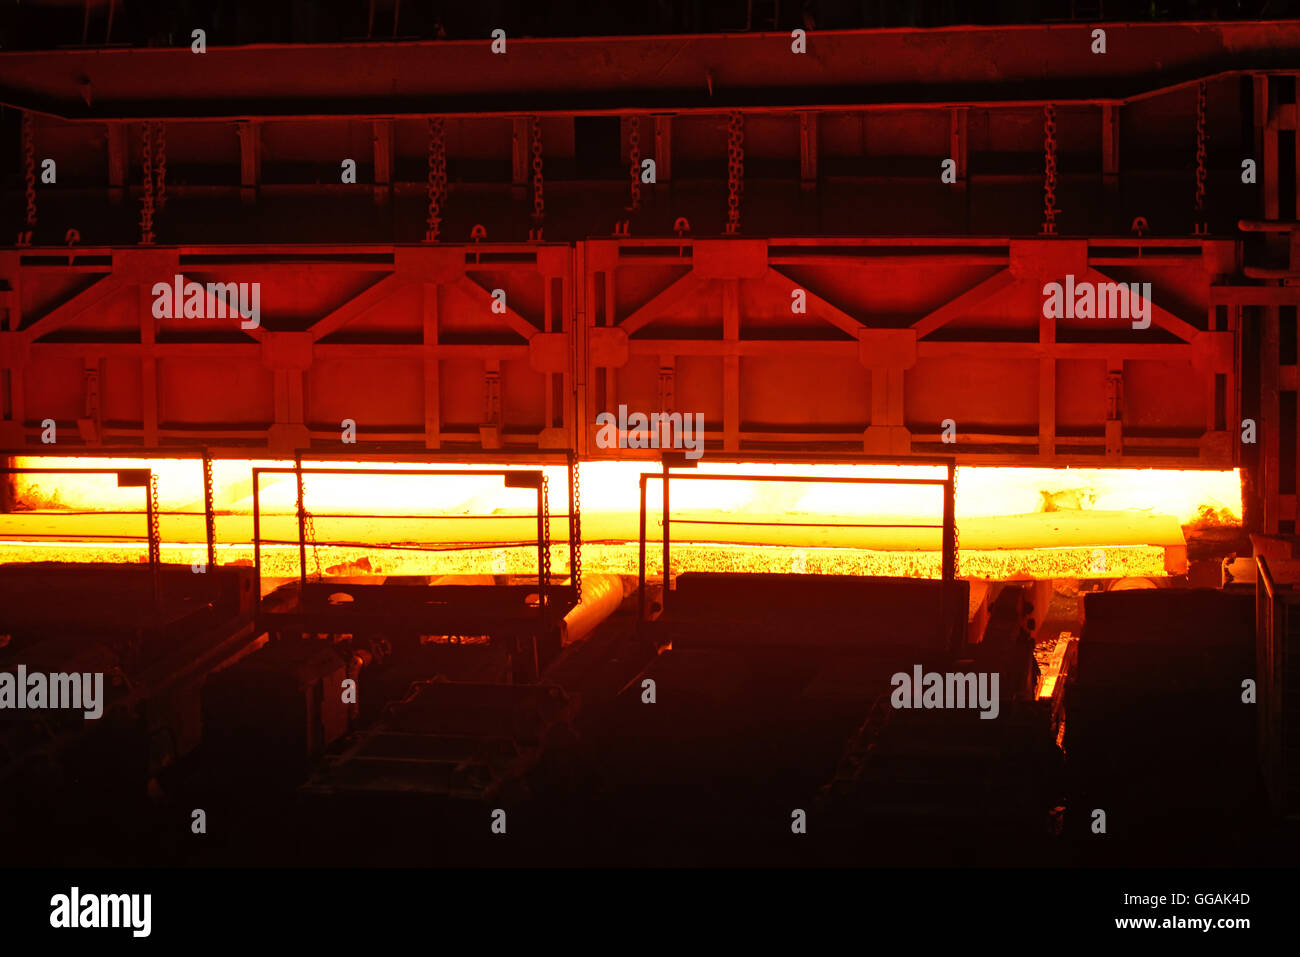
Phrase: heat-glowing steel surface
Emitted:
{"points": [[1013, 523]]}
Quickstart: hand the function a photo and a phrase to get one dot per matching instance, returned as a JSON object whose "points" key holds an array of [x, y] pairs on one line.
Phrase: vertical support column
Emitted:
{"points": [[383, 159], [520, 157], [432, 386], [808, 151], [1110, 163], [1267, 132], [1269, 413], [116, 163], [1047, 388], [731, 365], [90, 424], [491, 433], [958, 148], [580, 360], [13, 358], [250, 160], [667, 390], [663, 149], [148, 368], [1290, 128], [1114, 408], [608, 311], [288, 389]]}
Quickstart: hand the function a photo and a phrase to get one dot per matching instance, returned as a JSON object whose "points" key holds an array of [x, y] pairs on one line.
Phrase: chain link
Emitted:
{"points": [[146, 166], [546, 532], [1049, 170], [29, 168], [308, 525], [155, 546], [956, 529], [575, 520], [539, 205], [209, 516], [309, 528], [735, 170], [160, 165], [437, 176], [634, 158], [1201, 97]]}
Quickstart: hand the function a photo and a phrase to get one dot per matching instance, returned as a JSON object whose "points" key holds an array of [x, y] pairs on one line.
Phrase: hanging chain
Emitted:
{"points": [[1049, 170], [1201, 97], [146, 166], [546, 531], [634, 158], [155, 540], [575, 523], [437, 176], [735, 170], [209, 516], [160, 165], [309, 530], [539, 206], [29, 168], [956, 529]]}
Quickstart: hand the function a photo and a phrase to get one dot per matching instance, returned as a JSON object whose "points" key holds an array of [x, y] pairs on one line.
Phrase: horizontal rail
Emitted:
{"points": [[948, 485]]}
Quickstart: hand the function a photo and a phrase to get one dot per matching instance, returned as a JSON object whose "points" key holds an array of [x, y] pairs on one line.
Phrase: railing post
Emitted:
{"points": [[641, 584], [302, 529]]}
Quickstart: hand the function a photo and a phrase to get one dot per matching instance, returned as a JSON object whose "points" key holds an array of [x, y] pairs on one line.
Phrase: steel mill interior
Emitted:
{"points": [[604, 439]]}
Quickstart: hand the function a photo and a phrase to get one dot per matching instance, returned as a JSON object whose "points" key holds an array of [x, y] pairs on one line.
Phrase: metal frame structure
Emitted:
{"points": [[204, 455], [514, 478], [948, 525], [126, 478]]}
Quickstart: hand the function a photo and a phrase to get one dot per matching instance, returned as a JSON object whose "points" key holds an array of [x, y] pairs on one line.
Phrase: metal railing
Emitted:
{"points": [[948, 485], [513, 478], [126, 478]]}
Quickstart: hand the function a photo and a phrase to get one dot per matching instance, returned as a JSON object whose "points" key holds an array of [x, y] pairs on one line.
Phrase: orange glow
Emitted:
{"points": [[1013, 523]]}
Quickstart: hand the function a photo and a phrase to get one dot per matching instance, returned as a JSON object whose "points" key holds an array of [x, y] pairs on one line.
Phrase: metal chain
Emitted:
{"points": [[634, 157], [309, 528], [155, 536], [575, 520], [160, 165], [539, 205], [146, 165], [1049, 170], [437, 176], [1201, 97], [209, 516], [29, 168], [956, 529], [546, 531], [735, 170]]}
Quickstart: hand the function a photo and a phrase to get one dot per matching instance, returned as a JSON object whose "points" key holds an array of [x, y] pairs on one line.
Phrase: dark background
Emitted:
{"points": [[49, 24]]}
